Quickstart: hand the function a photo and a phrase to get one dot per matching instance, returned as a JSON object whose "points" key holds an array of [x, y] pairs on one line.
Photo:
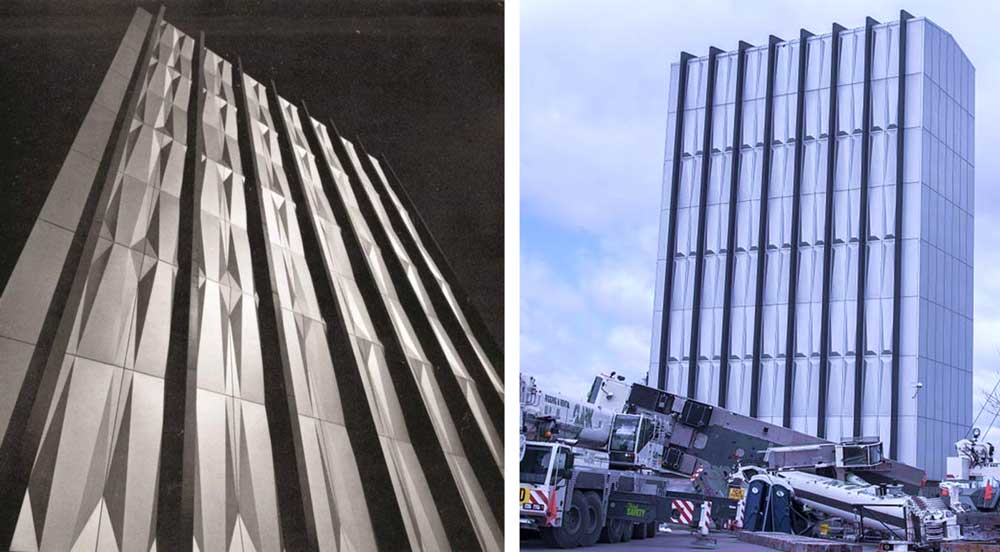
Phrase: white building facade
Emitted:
{"points": [[800, 226]]}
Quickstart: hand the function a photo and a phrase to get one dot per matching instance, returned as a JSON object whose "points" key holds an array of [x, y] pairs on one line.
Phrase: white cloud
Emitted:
{"points": [[588, 314], [629, 341]]}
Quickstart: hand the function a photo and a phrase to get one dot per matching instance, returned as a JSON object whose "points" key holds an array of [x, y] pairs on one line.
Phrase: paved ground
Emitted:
{"points": [[678, 540]]}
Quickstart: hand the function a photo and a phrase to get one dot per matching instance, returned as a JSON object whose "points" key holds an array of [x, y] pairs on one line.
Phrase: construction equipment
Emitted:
{"points": [[614, 464], [783, 498], [571, 490]]}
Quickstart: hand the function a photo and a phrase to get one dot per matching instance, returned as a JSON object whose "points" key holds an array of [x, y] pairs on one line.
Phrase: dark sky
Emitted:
{"points": [[421, 82]]}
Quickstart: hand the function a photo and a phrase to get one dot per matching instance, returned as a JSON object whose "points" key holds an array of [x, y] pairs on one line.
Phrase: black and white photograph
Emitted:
{"points": [[251, 276]]}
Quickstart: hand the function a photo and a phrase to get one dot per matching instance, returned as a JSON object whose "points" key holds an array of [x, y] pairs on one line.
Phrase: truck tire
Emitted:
{"points": [[652, 528], [627, 531], [594, 508], [638, 531], [612, 532], [573, 523]]}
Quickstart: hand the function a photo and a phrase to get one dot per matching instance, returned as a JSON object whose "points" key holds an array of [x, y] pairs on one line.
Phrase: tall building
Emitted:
{"points": [[817, 202], [230, 330]]}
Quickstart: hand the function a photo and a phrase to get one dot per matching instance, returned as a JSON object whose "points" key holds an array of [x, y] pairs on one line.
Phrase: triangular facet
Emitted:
{"points": [[86, 540], [24, 532]]}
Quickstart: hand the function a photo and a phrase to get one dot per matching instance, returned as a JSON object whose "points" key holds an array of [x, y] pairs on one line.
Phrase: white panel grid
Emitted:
{"points": [[945, 228]]}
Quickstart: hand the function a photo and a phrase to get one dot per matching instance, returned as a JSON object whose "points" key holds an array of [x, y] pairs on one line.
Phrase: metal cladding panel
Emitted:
{"points": [[164, 318], [688, 203], [933, 159], [778, 234], [811, 245], [746, 247], [423, 525], [29, 293], [97, 462], [846, 235], [338, 518], [470, 390], [440, 280], [424, 374], [712, 285], [235, 482]]}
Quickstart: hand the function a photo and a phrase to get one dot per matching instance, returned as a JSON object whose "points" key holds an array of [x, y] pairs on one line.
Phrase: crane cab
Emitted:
{"points": [[633, 443]]}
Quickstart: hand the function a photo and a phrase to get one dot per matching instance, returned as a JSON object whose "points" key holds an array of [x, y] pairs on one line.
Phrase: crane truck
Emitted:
{"points": [[582, 468]]}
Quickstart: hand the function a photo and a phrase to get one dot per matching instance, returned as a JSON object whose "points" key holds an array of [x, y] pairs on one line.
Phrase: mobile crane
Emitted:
{"points": [[583, 475], [612, 466]]}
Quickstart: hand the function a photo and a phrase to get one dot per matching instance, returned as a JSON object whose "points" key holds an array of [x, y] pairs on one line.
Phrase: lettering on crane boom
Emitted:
{"points": [[557, 401], [581, 415]]}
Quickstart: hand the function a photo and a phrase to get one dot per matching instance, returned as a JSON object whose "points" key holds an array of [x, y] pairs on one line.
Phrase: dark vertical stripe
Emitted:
{"points": [[175, 494], [866, 130], [897, 281], [675, 175], [457, 524], [699, 265], [472, 315], [24, 430], [765, 184], [734, 188], [793, 262], [449, 320], [485, 467], [372, 468], [831, 164], [294, 505]]}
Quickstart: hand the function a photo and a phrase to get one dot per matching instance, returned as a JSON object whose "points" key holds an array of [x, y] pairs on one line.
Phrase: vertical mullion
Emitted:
{"points": [[831, 163], [699, 267], [793, 263], [897, 284], [758, 336], [866, 127], [675, 175], [734, 183]]}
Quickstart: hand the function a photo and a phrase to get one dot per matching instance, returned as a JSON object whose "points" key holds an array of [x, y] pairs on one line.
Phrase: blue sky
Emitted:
{"points": [[593, 120]]}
